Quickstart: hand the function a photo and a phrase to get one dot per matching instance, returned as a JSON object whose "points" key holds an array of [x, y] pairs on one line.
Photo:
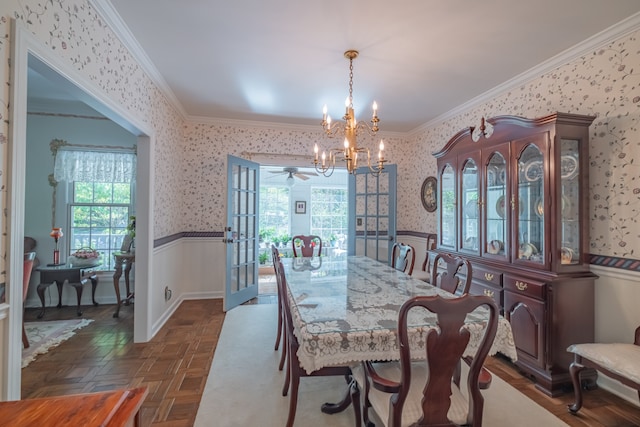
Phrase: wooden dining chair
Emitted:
{"points": [[403, 257], [294, 370], [447, 273], [280, 334], [405, 392], [424, 273], [29, 258], [306, 245]]}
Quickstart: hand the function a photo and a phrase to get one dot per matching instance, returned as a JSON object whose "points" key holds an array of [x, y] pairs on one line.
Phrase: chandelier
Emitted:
{"points": [[348, 129]]}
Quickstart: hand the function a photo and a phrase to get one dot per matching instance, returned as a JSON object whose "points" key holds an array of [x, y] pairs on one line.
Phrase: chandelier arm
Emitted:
{"points": [[349, 129]]}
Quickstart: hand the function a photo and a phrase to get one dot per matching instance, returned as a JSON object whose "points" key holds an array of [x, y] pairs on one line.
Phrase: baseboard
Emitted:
{"points": [[174, 306]]}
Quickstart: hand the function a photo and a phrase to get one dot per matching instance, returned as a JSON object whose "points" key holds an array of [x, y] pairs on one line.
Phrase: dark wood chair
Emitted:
{"points": [[416, 393], [446, 273], [306, 246], [280, 335], [403, 257], [616, 360], [294, 370], [29, 259], [424, 273]]}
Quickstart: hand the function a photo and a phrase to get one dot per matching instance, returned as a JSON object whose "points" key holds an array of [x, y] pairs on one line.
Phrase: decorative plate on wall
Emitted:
{"points": [[429, 194]]}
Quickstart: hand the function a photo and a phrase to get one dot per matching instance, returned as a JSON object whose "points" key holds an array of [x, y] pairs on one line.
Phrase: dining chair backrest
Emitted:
{"points": [[403, 257], [431, 245], [419, 392], [306, 245], [447, 273]]}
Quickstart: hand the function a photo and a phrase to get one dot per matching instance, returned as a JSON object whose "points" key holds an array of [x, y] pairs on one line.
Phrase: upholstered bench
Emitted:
{"points": [[616, 360]]}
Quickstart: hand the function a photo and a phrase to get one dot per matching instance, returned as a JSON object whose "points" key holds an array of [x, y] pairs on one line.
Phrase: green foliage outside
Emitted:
{"points": [[100, 218]]}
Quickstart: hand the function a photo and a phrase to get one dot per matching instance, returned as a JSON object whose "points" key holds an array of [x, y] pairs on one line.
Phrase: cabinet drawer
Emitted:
{"points": [[487, 275], [532, 288], [481, 288]]}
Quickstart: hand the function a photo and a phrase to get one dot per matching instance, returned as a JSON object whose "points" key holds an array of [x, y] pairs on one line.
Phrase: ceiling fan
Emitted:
{"points": [[293, 172]]}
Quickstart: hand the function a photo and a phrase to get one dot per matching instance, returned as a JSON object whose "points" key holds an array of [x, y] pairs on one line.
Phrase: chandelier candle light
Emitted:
{"points": [[349, 129], [56, 233]]}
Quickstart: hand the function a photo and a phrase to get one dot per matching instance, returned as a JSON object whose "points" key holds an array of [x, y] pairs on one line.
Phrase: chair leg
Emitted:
{"points": [[279, 334], [574, 370], [293, 397], [355, 402], [287, 375], [283, 356], [25, 340]]}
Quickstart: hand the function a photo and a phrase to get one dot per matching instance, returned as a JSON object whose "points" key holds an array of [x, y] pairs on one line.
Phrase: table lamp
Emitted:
{"points": [[56, 233]]}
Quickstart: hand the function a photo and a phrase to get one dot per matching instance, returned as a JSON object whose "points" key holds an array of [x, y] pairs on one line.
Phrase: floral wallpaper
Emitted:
{"points": [[74, 31], [190, 157], [604, 83]]}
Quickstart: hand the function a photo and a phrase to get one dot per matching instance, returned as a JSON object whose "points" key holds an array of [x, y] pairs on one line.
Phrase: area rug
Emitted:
{"points": [[244, 386], [43, 336]]}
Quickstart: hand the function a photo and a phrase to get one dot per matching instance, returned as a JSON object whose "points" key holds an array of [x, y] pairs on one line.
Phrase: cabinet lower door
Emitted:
{"points": [[526, 316]]}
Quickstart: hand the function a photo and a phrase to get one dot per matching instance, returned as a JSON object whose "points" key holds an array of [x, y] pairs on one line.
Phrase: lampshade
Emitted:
{"points": [[290, 180], [56, 233]]}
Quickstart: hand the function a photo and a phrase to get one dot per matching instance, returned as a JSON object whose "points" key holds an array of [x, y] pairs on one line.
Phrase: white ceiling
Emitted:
{"points": [[282, 60]]}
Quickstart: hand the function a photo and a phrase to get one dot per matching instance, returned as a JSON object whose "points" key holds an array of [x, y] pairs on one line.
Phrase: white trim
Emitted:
{"points": [[616, 273], [16, 161], [174, 306], [608, 35]]}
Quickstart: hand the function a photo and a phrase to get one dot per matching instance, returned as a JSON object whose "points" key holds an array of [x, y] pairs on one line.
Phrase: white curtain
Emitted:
{"points": [[94, 166]]}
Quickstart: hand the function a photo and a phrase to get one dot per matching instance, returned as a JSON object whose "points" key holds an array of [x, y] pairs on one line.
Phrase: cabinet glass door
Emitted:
{"points": [[570, 202], [447, 202], [496, 213], [528, 206], [470, 207]]}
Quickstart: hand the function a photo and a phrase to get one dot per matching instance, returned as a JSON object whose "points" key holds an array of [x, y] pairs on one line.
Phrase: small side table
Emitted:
{"points": [[76, 276], [127, 259]]}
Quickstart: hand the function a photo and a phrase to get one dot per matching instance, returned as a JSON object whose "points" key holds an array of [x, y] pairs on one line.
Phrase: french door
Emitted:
{"points": [[372, 213], [241, 232]]}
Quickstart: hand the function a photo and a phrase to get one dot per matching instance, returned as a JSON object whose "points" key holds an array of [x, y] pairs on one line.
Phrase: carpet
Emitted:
{"points": [[43, 336], [244, 386]]}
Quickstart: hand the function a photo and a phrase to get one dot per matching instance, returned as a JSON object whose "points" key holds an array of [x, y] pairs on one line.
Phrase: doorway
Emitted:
{"points": [[30, 53], [298, 200]]}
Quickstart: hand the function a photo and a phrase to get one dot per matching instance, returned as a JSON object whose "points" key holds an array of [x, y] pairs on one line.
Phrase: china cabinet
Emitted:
{"points": [[515, 203]]}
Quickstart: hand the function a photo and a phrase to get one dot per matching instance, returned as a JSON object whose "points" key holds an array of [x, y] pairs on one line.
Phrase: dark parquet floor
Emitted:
{"points": [[175, 365], [102, 356]]}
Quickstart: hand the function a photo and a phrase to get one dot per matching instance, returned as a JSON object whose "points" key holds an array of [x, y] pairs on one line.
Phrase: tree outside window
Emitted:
{"points": [[99, 216], [329, 214]]}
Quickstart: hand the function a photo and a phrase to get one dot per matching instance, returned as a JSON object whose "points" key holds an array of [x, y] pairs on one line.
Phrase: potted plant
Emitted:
{"points": [[266, 234], [285, 239], [263, 257]]}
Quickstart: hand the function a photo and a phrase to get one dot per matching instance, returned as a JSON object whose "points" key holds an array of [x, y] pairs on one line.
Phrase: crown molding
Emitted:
{"points": [[107, 12], [616, 31]]}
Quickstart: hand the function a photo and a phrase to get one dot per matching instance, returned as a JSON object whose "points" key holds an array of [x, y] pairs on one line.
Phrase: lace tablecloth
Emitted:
{"points": [[345, 310]]}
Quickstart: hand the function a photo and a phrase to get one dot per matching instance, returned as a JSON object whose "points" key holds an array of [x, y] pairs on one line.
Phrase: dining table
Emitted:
{"points": [[345, 311]]}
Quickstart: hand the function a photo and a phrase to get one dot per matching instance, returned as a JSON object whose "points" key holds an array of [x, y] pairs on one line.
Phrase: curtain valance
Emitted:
{"points": [[94, 166]]}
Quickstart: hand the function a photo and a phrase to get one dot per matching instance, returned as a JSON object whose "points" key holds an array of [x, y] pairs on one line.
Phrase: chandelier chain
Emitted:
{"points": [[350, 82]]}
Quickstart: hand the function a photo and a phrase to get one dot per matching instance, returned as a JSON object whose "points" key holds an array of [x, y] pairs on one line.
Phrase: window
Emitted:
{"points": [[274, 212], [99, 214], [329, 214]]}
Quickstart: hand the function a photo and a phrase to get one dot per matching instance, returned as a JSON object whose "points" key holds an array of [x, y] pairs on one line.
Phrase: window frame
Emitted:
{"points": [[106, 259]]}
